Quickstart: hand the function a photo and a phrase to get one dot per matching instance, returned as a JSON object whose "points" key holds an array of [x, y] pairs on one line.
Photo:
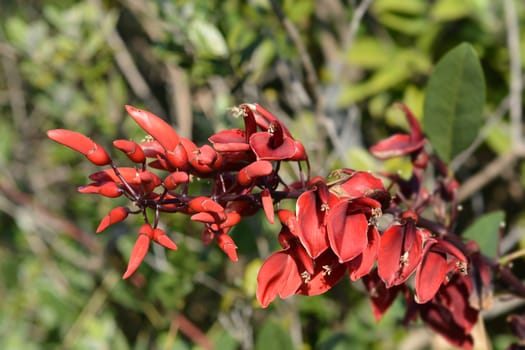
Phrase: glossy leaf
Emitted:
{"points": [[453, 111], [485, 231]]}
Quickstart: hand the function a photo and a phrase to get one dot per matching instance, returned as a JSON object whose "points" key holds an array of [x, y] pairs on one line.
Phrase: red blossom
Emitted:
{"points": [[81, 143], [116, 215], [312, 210], [140, 249], [400, 252], [401, 144]]}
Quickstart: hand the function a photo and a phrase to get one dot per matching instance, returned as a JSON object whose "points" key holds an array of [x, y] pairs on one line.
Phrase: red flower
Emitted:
{"points": [[450, 313], [362, 264], [439, 258], [313, 207], [380, 296], [348, 227], [81, 143], [401, 144], [400, 251], [282, 272], [140, 249], [327, 273]]}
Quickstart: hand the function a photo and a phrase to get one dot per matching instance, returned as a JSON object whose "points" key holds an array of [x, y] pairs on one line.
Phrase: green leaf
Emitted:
{"points": [[273, 336], [454, 102], [207, 39], [485, 231], [451, 10]]}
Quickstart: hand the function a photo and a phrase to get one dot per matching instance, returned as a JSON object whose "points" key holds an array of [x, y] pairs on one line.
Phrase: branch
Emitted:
{"points": [[516, 82], [312, 82], [489, 173]]}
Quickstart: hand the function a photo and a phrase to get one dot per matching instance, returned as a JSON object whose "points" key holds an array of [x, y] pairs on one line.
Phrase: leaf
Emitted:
{"points": [[485, 231], [273, 336], [454, 102], [207, 39], [451, 10]]}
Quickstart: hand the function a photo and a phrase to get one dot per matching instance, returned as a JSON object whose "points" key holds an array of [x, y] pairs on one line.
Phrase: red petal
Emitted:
{"points": [[328, 272], [361, 184], [72, 139], [269, 117], [234, 136], [278, 274], [155, 126], [107, 189], [80, 143], [415, 129], [203, 203], [395, 146], [362, 264], [130, 175], [260, 142], [399, 253], [267, 203], [175, 179], [439, 318], [131, 149], [228, 246], [254, 170], [232, 219], [205, 217], [115, 215], [140, 249], [161, 238], [347, 234], [178, 157], [311, 232], [430, 275], [380, 296]]}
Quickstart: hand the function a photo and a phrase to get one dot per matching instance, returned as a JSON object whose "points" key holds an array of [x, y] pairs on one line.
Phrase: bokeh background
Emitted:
{"points": [[331, 69]]}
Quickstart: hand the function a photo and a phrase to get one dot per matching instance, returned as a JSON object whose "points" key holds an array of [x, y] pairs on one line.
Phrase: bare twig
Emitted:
{"points": [[489, 173], [516, 81], [359, 12], [312, 81]]}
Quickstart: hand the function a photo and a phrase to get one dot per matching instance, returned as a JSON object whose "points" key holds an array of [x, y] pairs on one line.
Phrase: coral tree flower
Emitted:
{"points": [[439, 259], [282, 272], [401, 144], [312, 211], [400, 251], [81, 143], [450, 314]]}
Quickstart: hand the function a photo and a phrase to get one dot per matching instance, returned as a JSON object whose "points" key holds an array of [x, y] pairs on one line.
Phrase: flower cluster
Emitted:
{"points": [[350, 224]]}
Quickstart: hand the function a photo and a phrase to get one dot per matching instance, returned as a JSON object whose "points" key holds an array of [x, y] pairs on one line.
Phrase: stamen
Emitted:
{"points": [[306, 276], [327, 270], [403, 259]]}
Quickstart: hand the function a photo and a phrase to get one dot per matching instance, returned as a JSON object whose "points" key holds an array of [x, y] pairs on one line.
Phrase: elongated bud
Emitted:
{"points": [[203, 203], [81, 143], [228, 246], [155, 126], [140, 249], [176, 178], [161, 238], [116, 215], [267, 203], [205, 217], [251, 171], [131, 149], [106, 189]]}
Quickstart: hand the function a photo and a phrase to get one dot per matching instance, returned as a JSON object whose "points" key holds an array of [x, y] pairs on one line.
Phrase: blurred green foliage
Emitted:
{"points": [[74, 64]]}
